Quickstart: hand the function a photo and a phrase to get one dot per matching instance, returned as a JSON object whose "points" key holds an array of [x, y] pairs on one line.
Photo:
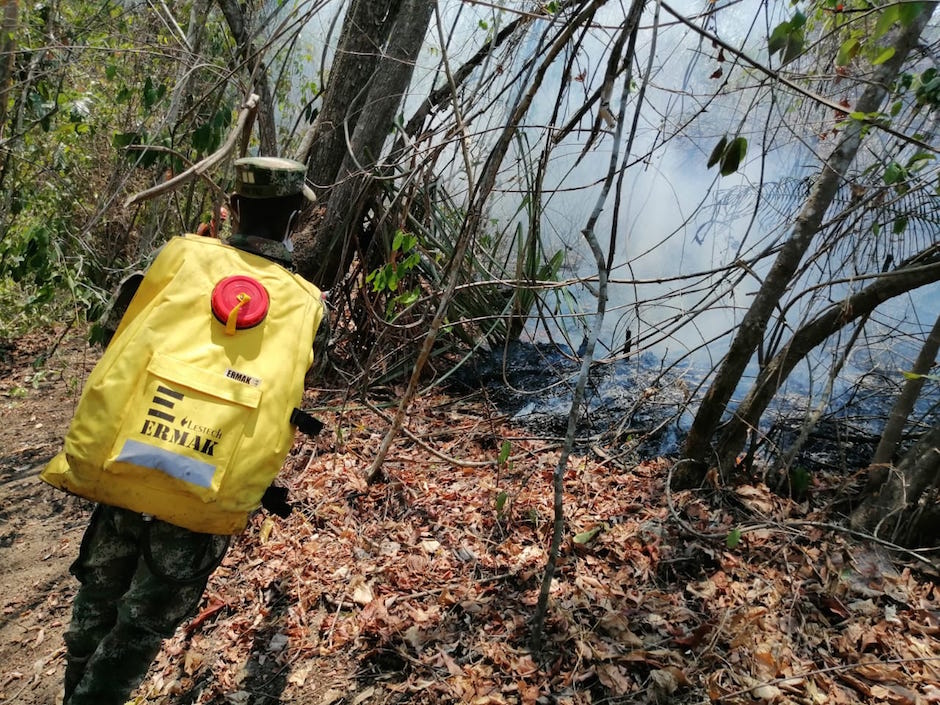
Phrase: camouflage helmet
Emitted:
{"points": [[271, 177]]}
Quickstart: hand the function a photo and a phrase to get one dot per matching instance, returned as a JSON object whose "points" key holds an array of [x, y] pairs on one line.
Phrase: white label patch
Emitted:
{"points": [[242, 377]]}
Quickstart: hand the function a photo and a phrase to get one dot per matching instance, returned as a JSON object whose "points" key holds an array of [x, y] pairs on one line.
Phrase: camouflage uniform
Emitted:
{"points": [[270, 177], [141, 577]]}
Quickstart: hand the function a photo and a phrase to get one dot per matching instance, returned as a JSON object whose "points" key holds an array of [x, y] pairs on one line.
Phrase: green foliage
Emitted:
{"points": [[863, 38], [733, 538], [504, 451], [22, 310], [788, 38], [585, 537], [927, 89], [718, 152], [884, 55], [92, 89], [502, 498], [800, 481], [849, 49], [495, 305], [207, 137], [402, 261], [899, 176], [729, 154]]}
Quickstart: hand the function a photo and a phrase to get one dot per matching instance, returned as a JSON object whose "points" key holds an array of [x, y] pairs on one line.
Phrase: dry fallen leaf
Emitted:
{"points": [[298, 676], [332, 695], [436, 577], [362, 594], [766, 692], [613, 677], [664, 681]]}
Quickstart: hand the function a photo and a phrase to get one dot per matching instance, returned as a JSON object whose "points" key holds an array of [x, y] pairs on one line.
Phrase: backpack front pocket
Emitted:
{"points": [[184, 423]]}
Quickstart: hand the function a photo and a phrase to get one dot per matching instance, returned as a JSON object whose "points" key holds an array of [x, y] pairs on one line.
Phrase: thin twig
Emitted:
{"points": [[443, 456], [776, 76], [868, 537], [828, 669], [780, 525], [176, 153]]}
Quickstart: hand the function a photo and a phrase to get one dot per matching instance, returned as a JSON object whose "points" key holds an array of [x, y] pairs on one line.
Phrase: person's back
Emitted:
{"points": [[182, 427]]}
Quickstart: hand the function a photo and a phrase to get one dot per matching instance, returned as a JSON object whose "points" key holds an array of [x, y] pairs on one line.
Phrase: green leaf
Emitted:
{"points": [[122, 139], [886, 21], [148, 94], [717, 151], [587, 536], [927, 87], [734, 538], [884, 56], [920, 160], [908, 12], [847, 51], [223, 118], [504, 452], [408, 298], [501, 500], [778, 38], [794, 48], [800, 480], [733, 156], [202, 138], [894, 173], [900, 225]]}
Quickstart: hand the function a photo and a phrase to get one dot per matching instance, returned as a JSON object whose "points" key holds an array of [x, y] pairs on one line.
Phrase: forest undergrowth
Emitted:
{"points": [[421, 589]]}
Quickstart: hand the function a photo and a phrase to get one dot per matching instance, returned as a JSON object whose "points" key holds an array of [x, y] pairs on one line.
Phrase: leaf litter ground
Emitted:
{"points": [[421, 589]]}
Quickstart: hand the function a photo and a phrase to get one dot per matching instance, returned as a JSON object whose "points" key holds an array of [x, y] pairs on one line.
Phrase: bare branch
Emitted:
{"points": [[200, 168]]}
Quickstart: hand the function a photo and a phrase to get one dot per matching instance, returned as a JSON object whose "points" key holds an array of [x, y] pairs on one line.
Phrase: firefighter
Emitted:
{"points": [[154, 539]]}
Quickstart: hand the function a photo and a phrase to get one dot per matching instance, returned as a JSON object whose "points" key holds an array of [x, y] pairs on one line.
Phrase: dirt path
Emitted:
{"points": [[40, 528]]}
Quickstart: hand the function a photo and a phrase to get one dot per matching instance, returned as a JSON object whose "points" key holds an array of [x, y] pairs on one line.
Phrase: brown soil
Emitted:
{"points": [[40, 528]]}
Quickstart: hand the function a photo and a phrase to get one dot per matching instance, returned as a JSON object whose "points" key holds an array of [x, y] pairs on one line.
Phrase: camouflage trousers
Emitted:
{"points": [[140, 578]]}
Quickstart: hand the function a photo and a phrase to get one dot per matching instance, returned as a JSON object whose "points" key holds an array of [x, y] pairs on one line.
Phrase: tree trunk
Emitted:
{"points": [[808, 222], [194, 34], [366, 29], [807, 337], [326, 261], [442, 95], [904, 404], [887, 513], [258, 74]]}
